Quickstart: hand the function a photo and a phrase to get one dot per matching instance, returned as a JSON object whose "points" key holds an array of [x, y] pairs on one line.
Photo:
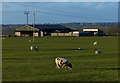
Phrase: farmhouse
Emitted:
{"points": [[27, 30]]}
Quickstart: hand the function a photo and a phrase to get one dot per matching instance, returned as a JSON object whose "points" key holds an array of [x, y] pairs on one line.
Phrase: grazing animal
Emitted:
{"points": [[72, 37], [95, 43], [80, 48], [62, 63], [29, 40], [2, 37], [34, 48], [97, 51]]}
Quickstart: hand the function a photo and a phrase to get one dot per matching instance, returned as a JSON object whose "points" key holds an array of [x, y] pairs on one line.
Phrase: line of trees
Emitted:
{"points": [[114, 30]]}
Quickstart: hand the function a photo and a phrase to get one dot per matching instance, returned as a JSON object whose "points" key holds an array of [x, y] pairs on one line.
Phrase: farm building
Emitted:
{"points": [[94, 32], [88, 32], [53, 28], [27, 30], [81, 33], [40, 30], [61, 34], [85, 32]]}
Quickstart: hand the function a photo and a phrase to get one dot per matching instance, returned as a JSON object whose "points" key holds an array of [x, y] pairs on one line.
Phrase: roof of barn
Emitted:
{"points": [[27, 28]]}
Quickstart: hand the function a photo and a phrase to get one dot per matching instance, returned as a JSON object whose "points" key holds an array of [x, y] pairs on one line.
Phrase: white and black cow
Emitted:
{"points": [[34, 48], [62, 63]]}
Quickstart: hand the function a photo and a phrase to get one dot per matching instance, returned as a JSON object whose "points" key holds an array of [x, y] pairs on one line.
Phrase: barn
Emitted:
{"points": [[88, 32], [40, 30], [94, 32], [27, 30]]}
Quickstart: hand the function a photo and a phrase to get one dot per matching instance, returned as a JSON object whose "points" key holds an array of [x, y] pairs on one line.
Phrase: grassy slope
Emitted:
{"points": [[21, 64]]}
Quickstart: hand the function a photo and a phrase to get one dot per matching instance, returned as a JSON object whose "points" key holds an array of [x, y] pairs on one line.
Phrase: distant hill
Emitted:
{"points": [[77, 26]]}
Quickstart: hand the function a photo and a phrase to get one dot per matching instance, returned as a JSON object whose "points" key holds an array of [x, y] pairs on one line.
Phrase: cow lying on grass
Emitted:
{"points": [[33, 48], [97, 51], [62, 63]]}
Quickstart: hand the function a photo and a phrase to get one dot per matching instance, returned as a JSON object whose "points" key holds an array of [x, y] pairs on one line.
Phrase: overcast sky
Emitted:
{"points": [[59, 12]]}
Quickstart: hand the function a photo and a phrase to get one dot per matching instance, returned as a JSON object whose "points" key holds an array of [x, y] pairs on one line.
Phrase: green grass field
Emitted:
{"points": [[22, 64]]}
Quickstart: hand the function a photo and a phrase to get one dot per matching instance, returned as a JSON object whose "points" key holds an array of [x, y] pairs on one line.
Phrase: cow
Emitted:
{"points": [[97, 51], [29, 40], [62, 63], [34, 48], [95, 43]]}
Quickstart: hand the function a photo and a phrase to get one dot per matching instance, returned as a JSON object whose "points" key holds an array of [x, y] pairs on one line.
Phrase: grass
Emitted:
{"points": [[21, 64]]}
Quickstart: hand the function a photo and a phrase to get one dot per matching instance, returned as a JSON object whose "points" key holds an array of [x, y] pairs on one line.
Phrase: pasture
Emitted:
{"points": [[19, 63]]}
